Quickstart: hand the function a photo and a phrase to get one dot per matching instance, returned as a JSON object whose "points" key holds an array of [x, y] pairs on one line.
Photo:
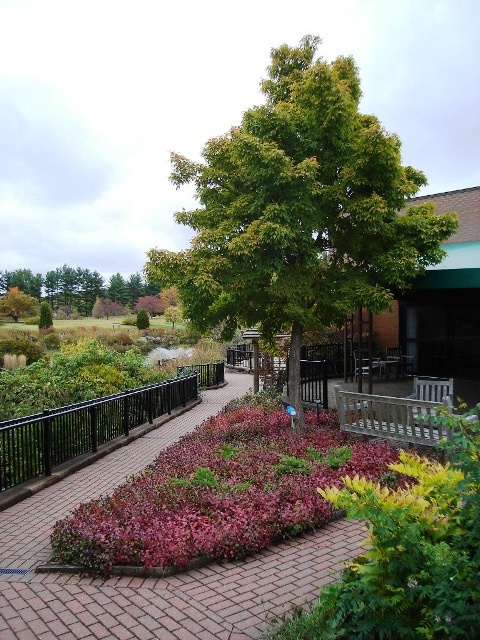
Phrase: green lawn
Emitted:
{"points": [[88, 322]]}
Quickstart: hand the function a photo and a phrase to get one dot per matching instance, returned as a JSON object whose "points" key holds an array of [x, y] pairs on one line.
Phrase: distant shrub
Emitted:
{"points": [[51, 341], [31, 320], [130, 321], [143, 320], [187, 335], [43, 332], [167, 338], [21, 346], [268, 399]]}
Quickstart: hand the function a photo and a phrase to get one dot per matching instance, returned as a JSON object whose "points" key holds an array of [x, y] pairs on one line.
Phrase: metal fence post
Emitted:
{"points": [[126, 426], [47, 443], [325, 384], [150, 395], [93, 427]]}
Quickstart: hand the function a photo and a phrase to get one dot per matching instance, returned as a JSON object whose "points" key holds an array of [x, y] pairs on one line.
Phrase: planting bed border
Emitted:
{"points": [[160, 572]]}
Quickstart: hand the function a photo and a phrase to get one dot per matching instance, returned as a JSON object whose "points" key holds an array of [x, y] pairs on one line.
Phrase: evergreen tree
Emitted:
{"points": [[46, 320], [118, 290], [143, 321]]}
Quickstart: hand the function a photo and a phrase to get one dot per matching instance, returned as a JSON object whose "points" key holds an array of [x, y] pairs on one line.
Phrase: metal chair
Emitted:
{"points": [[404, 364], [362, 366]]}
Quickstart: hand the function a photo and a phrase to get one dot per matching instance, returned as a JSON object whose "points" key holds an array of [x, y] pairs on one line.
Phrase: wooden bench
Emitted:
{"points": [[385, 417]]}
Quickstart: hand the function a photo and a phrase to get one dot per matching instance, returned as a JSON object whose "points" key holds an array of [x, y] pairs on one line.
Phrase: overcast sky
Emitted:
{"points": [[95, 94]]}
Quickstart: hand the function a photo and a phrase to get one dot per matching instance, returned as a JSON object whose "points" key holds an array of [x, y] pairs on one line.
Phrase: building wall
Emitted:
{"points": [[386, 328], [465, 202]]}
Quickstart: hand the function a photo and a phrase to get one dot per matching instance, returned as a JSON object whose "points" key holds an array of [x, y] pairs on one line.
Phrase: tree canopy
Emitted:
{"points": [[16, 304], [298, 220]]}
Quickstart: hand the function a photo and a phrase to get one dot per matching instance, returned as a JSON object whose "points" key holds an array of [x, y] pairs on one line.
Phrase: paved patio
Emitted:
{"points": [[232, 601]]}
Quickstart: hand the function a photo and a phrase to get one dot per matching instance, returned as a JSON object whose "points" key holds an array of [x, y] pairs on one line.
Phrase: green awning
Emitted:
{"points": [[460, 269]]}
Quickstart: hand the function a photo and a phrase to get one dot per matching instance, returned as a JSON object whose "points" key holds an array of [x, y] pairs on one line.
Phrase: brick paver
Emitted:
{"points": [[233, 601]]}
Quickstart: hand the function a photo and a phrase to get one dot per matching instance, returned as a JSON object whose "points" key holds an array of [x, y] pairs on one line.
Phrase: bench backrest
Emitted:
{"points": [[432, 389], [404, 419]]}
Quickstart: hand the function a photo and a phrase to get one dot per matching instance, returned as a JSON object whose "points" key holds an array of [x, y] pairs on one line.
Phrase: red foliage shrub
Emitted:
{"points": [[238, 483]]}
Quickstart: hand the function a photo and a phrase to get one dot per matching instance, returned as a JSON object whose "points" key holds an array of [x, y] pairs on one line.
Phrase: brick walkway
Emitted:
{"points": [[233, 601]]}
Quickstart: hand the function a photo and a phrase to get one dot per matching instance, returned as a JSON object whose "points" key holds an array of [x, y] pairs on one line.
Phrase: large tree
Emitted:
{"points": [[118, 289], [297, 223], [16, 304], [104, 307], [24, 280]]}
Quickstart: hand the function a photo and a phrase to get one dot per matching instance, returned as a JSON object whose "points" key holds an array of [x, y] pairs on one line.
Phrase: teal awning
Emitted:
{"points": [[460, 269]]}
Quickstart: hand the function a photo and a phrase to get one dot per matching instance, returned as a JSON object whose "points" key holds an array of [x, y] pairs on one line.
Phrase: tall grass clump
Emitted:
{"points": [[12, 361]]}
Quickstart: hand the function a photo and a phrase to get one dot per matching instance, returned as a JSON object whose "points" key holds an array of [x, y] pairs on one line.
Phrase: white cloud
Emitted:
{"points": [[94, 94]]}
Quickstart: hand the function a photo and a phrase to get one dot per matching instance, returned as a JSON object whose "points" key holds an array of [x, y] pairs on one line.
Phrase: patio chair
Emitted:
{"points": [[404, 364], [362, 366]]}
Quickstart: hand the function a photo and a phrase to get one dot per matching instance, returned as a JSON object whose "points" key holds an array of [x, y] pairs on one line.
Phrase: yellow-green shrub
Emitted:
{"points": [[419, 576]]}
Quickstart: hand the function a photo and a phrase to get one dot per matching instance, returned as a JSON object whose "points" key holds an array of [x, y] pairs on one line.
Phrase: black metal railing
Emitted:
{"points": [[209, 375], [332, 353], [34, 445], [240, 356], [314, 382]]}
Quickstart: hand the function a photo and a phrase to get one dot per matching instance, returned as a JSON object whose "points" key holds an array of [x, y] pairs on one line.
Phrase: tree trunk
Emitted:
{"points": [[294, 385]]}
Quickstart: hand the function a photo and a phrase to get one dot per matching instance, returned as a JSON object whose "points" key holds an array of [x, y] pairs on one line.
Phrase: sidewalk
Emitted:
{"points": [[232, 601]]}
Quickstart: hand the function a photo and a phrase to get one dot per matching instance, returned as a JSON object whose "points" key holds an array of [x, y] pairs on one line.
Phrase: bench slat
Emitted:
{"points": [[390, 417]]}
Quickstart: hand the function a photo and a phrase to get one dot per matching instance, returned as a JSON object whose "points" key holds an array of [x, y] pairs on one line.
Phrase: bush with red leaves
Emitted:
{"points": [[240, 482]]}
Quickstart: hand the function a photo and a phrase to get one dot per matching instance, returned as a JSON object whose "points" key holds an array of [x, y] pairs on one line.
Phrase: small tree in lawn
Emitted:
{"points": [[46, 320], [170, 297], [152, 305], [104, 307], [143, 320], [298, 220], [173, 315], [16, 304]]}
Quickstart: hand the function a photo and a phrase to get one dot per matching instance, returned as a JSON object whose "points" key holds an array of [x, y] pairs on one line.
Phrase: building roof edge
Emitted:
{"points": [[443, 193]]}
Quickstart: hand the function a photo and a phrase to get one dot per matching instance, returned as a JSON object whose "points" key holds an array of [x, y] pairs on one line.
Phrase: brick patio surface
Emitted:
{"points": [[231, 601]]}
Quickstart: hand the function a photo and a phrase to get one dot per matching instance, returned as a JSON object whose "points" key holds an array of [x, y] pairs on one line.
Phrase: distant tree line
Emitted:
{"points": [[76, 290]]}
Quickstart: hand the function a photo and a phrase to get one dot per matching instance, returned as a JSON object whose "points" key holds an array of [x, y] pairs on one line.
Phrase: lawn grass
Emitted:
{"points": [[157, 322]]}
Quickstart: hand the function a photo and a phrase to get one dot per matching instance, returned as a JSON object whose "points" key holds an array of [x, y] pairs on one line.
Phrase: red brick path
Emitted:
{"points": [[233, 601]]}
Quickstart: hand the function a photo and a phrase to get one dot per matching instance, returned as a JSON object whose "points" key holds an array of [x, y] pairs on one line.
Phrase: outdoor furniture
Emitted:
{"points": [[400, 419], [433, 389], [362, 366], [402, 364]]}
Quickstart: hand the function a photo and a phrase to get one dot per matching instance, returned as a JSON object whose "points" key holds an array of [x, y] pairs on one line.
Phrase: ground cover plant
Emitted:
{"points": [[420, 576], [241, 481]]}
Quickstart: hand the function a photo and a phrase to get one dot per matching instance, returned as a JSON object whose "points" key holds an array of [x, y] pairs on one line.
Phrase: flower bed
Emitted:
{"points": [[238, 483]]}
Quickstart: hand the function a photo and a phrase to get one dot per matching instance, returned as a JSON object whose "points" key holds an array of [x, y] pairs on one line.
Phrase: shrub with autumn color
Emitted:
{"points": [[240, 482]]}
